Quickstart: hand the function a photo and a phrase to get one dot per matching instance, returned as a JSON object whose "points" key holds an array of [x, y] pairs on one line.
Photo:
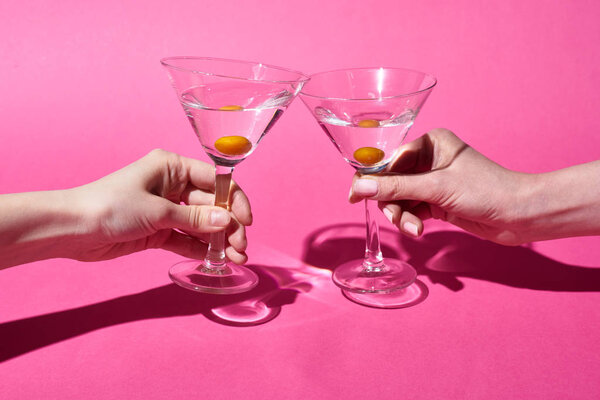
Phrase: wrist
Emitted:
{"points": [[530, 206], [562, 203], [517, 210], [38, 225]]}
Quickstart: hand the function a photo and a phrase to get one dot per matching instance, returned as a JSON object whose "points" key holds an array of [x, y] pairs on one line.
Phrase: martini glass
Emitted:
{"points": [[367, 113], [231, 105]]}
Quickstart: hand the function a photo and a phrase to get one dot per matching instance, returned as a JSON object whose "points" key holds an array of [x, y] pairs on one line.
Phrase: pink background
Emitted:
{"points": [[83, 94]]}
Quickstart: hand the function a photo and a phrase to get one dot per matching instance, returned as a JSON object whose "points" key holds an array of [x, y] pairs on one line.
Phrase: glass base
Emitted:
{"points": [[407, 297], [192, 275], [390, 277]]}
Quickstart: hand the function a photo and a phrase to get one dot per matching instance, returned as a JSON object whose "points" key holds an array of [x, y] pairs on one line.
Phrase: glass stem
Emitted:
{"points": [[215, 261], [373, 259]]}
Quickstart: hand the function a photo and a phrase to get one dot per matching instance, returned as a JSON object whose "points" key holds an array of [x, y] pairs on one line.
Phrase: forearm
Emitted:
{"points": [[564, 203], [36, 226]]}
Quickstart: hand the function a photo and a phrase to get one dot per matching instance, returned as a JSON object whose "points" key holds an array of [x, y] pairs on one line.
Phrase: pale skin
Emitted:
{"points": [[439, 176], [136, 208]]}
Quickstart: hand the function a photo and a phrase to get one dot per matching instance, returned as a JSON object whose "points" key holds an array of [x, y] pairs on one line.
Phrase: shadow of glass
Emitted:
{"points": [[277, 287], [446, 256]]}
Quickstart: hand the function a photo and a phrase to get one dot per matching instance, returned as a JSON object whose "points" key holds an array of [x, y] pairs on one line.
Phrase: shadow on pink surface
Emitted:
{"points": [[277, 287], [445, 256]]}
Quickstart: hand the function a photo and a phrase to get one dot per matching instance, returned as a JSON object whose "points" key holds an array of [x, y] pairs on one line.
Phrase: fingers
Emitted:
{"points": [[191, 247], [416, 173], [195, 196], [422, 187], [414, 160], [239, 203], [236, 257], [198, 221], [236, 236], [192, 181], [202, 176], [414, 157], [407, 222], [199, 173], [185, 245], [192, 218], [167, 174]]}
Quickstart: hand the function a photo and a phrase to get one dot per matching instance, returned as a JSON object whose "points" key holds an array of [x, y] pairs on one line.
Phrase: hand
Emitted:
{"points": [[439, 176], [138, 207]]}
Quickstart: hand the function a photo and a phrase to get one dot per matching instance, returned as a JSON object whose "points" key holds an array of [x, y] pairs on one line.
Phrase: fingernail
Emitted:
{"points": [[219, 218], [365, 187], [388, 214], [410, 228]]}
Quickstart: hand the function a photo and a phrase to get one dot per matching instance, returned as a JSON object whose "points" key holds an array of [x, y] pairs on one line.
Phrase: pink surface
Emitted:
{"points": [[84, 94]]}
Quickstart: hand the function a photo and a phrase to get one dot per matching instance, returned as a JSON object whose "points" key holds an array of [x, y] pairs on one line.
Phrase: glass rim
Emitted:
{"points": [[429, 87], [165, 61]]}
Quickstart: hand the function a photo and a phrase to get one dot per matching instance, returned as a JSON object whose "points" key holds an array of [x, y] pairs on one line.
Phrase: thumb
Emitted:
{"points": [[194, 218], [421, 187]]}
